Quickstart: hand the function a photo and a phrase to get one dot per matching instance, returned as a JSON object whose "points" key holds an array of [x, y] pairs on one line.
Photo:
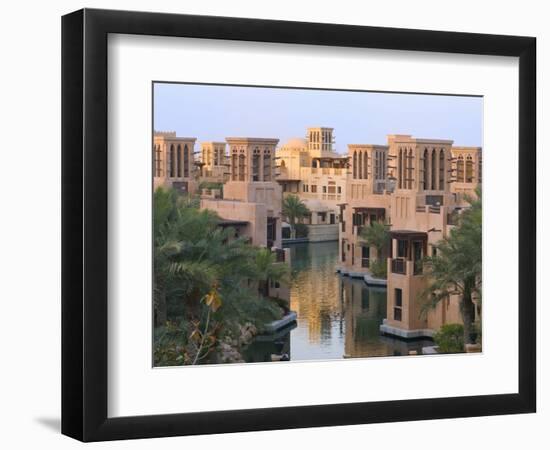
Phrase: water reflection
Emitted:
{"points": [[338, 317]]}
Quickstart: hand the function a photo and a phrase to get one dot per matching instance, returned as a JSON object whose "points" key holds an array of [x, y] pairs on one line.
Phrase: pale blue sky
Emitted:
{"points": [[212, 113]]}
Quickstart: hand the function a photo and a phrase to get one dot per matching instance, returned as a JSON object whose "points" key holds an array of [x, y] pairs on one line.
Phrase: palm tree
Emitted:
{"points": [[193, 259], [456, 268], [294, 209], [267, 269], [179, 275], [376, 235]]}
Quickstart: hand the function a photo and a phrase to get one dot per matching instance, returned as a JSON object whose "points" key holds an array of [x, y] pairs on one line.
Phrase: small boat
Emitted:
{"points": [[276, 325]]}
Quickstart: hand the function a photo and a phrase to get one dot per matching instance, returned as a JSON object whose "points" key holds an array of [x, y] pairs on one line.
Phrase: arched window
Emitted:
{"points": [[186, 161], [234, 167], [283, 163], [410, 173], [267, 166], [354, 165], [400, 169], [172, 161], [460, 169], [158, 161], [154, 160], [241, 167], [178, 165], [366, 165], [426, 170], [434, 172], [360, 168], [442, 170], [255, 167], [469, 169], [405, 168]]}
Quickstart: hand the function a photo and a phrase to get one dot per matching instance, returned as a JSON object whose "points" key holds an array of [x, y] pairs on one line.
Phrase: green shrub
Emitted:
{"points": [[379, 268], [450, 338]]}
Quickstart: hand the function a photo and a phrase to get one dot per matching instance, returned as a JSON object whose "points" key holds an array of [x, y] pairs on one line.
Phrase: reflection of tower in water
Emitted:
{"points": [[363, 308], [314, 294]]}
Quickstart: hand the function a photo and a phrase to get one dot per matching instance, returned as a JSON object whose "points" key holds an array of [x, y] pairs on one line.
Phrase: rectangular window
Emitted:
{"points": [[314, 188], [398, 297], [398, 302], [339, 189], [397, 314], [434, 200], [324, 189], [402, 248]]}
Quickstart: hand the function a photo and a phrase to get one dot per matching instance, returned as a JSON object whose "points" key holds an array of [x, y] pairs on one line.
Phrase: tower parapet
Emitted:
{"points": [[252, 159]]}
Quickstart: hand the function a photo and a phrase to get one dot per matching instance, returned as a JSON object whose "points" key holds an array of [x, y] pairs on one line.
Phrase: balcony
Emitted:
{"points": [[428, 209], [331, 197], [365, 262], [398, 265]]}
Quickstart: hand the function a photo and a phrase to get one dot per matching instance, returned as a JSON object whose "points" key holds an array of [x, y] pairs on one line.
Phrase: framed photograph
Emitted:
{"points": [[272, 224]]}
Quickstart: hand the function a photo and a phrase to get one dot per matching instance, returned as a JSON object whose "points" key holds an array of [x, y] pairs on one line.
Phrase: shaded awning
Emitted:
{"points": [[367, 209], [232, 223], [408, 234]]}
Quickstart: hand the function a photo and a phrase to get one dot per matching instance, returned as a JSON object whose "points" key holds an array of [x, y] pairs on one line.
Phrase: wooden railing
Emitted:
{"points": [[398, 265]]}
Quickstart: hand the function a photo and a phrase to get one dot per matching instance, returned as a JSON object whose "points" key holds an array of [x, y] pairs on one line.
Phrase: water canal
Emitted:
{"points": [[338, 316]]}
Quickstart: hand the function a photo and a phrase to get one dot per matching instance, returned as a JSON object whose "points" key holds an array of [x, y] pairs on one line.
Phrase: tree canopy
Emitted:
{"points": [[205, 278], [294, 209], [456, 268]]}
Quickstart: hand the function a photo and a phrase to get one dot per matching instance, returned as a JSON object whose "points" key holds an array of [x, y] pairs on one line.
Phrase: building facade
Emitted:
{"points": [[311, 169], [419, 196], [417, 187], [251, 195], [214, 164], [174, 162]]}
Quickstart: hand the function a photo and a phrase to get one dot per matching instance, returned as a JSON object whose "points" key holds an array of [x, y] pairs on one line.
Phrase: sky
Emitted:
{"points": [[212, 113]]}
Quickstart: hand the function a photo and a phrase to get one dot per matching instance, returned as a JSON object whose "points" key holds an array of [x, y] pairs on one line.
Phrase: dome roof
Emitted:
{"points": [[296, 143]]}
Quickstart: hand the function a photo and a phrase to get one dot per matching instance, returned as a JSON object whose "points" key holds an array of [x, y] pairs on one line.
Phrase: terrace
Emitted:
{"points": [[409, 248]]}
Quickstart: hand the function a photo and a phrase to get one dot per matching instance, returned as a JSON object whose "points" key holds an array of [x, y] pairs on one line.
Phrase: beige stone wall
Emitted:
{"points": [[321, 187], [253, 213], [173, 162], [466, 171], [320, 233]]}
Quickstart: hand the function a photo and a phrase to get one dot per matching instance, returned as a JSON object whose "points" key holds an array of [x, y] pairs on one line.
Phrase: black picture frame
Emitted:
{"points": [[84, 224]]}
